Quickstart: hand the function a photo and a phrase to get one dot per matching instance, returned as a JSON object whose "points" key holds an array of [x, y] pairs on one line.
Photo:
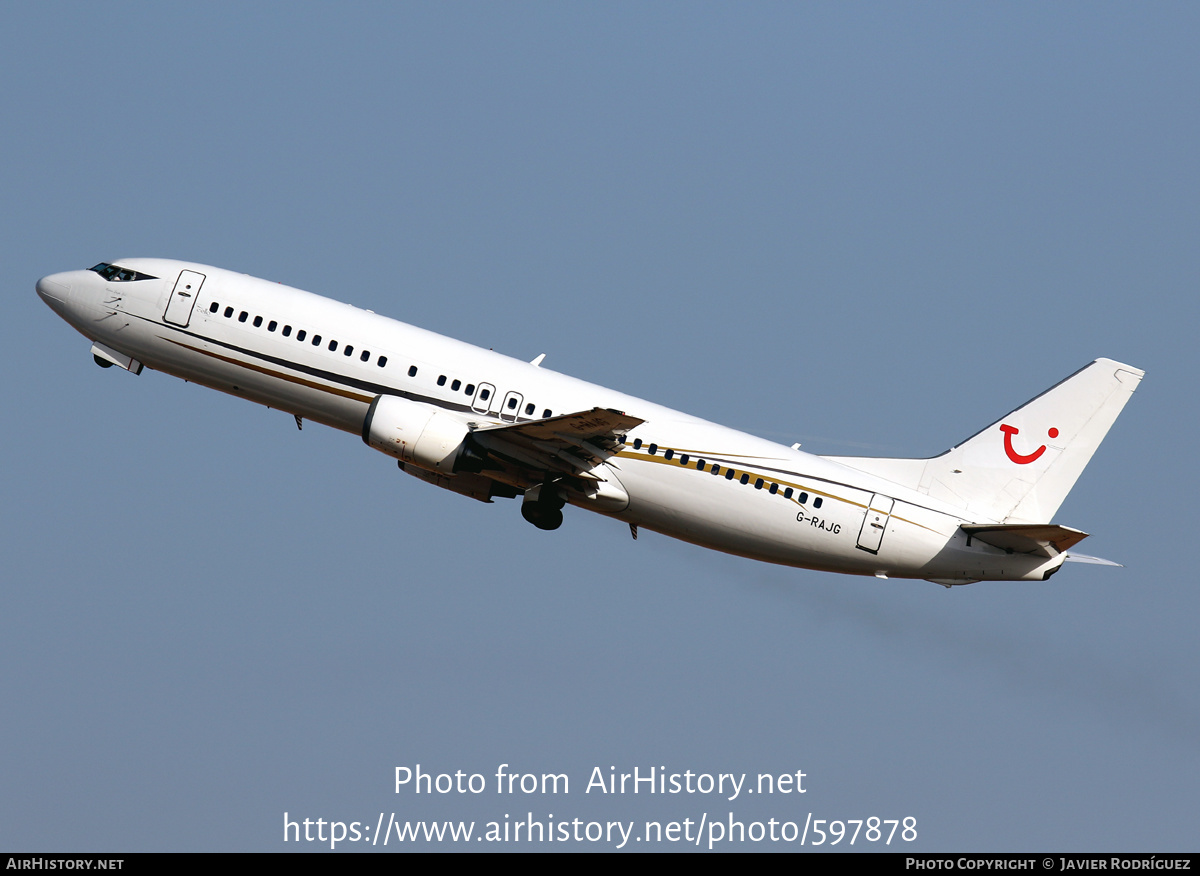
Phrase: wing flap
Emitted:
{"points": [[568, 444]]}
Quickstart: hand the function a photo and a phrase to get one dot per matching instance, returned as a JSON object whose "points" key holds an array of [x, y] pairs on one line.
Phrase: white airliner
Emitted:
{"points": [[485, 425]]}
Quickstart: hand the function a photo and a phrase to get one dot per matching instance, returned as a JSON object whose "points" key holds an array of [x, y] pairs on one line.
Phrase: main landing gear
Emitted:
{"points": [[542, 507]]}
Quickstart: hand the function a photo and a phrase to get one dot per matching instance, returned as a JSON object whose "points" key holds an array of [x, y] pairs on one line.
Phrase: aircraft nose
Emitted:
{"points": [[54, 290]]}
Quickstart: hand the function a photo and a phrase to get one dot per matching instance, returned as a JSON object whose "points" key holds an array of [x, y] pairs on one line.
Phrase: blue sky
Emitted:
{"points": [[868, 228]]}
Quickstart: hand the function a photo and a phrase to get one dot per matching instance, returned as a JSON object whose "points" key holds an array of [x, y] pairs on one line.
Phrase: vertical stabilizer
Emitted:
{"points": [[1020, 468]]}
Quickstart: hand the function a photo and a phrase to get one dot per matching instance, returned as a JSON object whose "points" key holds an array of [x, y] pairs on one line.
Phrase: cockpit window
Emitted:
{"points": [[117, 274]]}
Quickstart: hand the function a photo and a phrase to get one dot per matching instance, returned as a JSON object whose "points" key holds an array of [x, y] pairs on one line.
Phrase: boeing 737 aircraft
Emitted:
{"points": [[485, 425]]}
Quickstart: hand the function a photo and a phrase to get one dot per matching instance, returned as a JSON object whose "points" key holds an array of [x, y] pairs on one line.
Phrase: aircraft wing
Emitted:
{"points": [[1046, 539], [570, 444]]}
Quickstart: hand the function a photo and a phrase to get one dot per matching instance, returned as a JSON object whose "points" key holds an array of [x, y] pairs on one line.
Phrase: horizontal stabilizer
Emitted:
{"points": [[1093, 561], [1045, 539]]}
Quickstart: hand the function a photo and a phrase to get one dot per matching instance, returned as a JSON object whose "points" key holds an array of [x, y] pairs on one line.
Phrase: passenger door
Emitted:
{"points": [[875, 522], [183, 298]]}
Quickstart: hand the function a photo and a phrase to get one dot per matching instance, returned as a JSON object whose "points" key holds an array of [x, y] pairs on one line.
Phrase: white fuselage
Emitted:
{"points": [[326, 361]]}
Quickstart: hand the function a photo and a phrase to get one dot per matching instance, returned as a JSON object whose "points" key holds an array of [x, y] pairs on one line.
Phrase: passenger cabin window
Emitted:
{"points": [[242, 316], [383, 361], [316, 341], [300, 335], [228, 312], [412, 370], [441, 380], [214, 307], [455, 385], [272, 325], [258, 322], [333, 346], [365, 356], [287, 331], [529, 410]]}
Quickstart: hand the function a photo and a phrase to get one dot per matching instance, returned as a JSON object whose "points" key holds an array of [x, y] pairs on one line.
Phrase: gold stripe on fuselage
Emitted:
{"points": [[767, 478], [269, 372]]}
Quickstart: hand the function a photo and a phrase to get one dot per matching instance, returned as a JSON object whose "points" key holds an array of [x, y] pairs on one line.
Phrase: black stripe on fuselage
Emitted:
{"points": [[380, 389]]}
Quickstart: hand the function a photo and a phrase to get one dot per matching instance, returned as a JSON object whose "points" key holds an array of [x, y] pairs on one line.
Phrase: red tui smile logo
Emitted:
{"points": [[1018, 458]]}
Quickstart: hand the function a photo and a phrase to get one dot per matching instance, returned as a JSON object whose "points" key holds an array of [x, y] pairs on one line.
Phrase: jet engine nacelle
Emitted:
{"points": [[415, 433]]}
